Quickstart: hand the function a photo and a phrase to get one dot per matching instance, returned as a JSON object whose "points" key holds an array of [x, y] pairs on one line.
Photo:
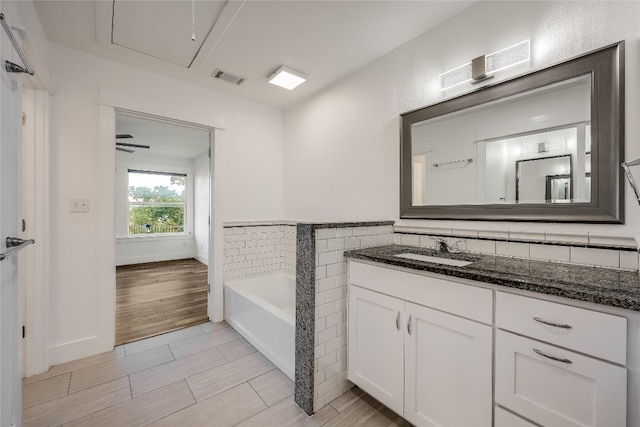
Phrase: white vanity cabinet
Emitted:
{"points": [[445, 352], [447, 369], [545, 365], [430, 366], [376, 355], [504, 418]]}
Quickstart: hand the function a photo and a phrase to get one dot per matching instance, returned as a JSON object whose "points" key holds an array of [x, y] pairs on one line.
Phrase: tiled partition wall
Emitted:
{"points": [[259, 247], [321, 305], [588, 249]]}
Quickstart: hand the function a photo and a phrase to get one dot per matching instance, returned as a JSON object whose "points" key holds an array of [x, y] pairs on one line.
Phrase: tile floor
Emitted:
{"points": [[205, 375]]}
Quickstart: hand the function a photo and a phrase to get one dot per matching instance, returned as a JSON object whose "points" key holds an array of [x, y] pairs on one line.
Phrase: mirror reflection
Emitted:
{"points": [[533, 148], [546, 178]]}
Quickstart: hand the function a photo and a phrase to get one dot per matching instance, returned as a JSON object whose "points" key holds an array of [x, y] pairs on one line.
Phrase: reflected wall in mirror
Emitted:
{"points": [[524, 149], [544, 180], [558, 188]]}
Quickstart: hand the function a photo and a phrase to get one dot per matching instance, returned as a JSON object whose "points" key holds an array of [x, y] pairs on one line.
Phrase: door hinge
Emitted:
{"points": [[24, 225], [209, 220], [24, 119], [208, 287], [24, 331], [209, 152]]}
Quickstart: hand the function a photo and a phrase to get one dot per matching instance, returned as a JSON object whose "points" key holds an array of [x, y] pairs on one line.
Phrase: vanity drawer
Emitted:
{"points": [[597, 334], [557, 387], [471, 302]]}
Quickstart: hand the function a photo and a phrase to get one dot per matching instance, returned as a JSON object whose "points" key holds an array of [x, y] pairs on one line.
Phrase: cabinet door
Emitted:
{"points": [[448, 369], [376, 345], [573, 390]]}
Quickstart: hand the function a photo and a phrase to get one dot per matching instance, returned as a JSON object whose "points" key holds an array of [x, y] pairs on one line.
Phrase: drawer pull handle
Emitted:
{"points": [[557, 359], [398, 321], [557, 325], [409, 325]]}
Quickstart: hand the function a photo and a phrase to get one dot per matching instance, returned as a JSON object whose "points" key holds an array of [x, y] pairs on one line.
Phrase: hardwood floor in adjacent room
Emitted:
{"points": [[159, 297]]}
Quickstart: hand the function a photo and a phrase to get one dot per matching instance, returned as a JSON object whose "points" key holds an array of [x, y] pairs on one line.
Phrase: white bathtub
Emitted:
{"points": [[262, 309]]}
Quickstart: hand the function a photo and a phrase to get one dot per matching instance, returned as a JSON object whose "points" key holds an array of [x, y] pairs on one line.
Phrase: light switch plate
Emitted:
{"points": [[79, 205]]}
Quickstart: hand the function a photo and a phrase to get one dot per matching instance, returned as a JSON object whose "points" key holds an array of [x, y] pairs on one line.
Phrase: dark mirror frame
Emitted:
{"points": [[606, 67]]}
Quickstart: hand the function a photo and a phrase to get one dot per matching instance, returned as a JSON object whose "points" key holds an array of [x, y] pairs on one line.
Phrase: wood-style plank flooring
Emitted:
{"points": [[158, 297], [205, 375]]}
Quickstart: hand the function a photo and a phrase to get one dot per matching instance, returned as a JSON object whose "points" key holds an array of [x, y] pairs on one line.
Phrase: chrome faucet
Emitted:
{"points": [[442, 245]]}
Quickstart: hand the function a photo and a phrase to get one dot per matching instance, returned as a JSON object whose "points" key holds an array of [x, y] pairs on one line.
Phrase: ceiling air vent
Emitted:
{"points": [[228, 77]]}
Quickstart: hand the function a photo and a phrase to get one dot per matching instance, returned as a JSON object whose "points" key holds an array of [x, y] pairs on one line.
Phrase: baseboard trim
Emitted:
{"points": [[154, 258], [78, 349]]}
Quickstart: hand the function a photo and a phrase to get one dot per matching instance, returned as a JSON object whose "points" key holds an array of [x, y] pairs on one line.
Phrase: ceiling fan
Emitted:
{"points": [[120, 145]]}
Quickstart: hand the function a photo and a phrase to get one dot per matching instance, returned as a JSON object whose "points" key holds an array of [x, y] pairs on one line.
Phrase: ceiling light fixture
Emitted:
{"points": [[287, 78], [543, 147], [482, 67]]}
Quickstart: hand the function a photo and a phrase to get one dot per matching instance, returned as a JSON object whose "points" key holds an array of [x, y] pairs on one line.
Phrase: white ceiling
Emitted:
{"points": [[325, 40], [165, 139], [142, 27]]}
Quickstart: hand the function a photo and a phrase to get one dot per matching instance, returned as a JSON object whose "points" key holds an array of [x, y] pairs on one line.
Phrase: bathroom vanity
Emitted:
{"points": [[493, 340]]}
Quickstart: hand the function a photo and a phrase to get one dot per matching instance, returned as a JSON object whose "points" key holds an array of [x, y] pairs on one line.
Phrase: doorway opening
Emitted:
{"points": [[163, 189]]}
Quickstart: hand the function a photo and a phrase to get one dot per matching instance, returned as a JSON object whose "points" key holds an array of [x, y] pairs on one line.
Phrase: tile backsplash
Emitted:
{"points": [[259, 247], [596, 250], [253, 249]]}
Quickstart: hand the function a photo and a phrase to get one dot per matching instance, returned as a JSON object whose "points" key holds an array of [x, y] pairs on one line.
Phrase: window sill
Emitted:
{"points": [[154, 237]]}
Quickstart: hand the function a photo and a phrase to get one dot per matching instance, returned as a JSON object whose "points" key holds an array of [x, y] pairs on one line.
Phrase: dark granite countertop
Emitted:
{"points": [[318, 225], [615, 288]]}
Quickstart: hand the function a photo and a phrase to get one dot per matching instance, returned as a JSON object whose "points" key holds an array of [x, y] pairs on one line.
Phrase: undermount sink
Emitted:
{"points": [[434, 259]]}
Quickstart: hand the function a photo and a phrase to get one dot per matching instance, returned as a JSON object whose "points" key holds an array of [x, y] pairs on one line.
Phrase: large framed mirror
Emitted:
{"points": [[544, 146]]}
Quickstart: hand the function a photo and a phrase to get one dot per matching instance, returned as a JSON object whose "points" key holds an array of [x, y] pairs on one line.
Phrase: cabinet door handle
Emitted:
{"points": [[557, 325], [557, 359], [409, 325], [398, 321]]}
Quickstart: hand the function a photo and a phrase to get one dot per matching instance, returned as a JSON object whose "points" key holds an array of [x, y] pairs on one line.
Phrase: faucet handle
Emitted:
{"points": [[454, 248]]}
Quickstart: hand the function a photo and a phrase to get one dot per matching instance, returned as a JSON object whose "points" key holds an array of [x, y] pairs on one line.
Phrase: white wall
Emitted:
{"points": [[201, 207], [136, 250], [83, 160], [342, 145]]}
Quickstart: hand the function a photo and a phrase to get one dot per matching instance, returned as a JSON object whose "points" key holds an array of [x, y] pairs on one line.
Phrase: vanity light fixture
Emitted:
{"points": [[287, 78], [483, 67], [543, 147]]}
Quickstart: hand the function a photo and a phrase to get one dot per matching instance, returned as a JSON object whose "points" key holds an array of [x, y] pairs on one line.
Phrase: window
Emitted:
{"points": [[157, 202]]}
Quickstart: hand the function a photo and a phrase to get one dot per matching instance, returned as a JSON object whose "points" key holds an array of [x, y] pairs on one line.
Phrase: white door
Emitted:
{"points": [[211, 264], [10, 113], [448, 369], [34, 260], [376, 349], [556, 387]]}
